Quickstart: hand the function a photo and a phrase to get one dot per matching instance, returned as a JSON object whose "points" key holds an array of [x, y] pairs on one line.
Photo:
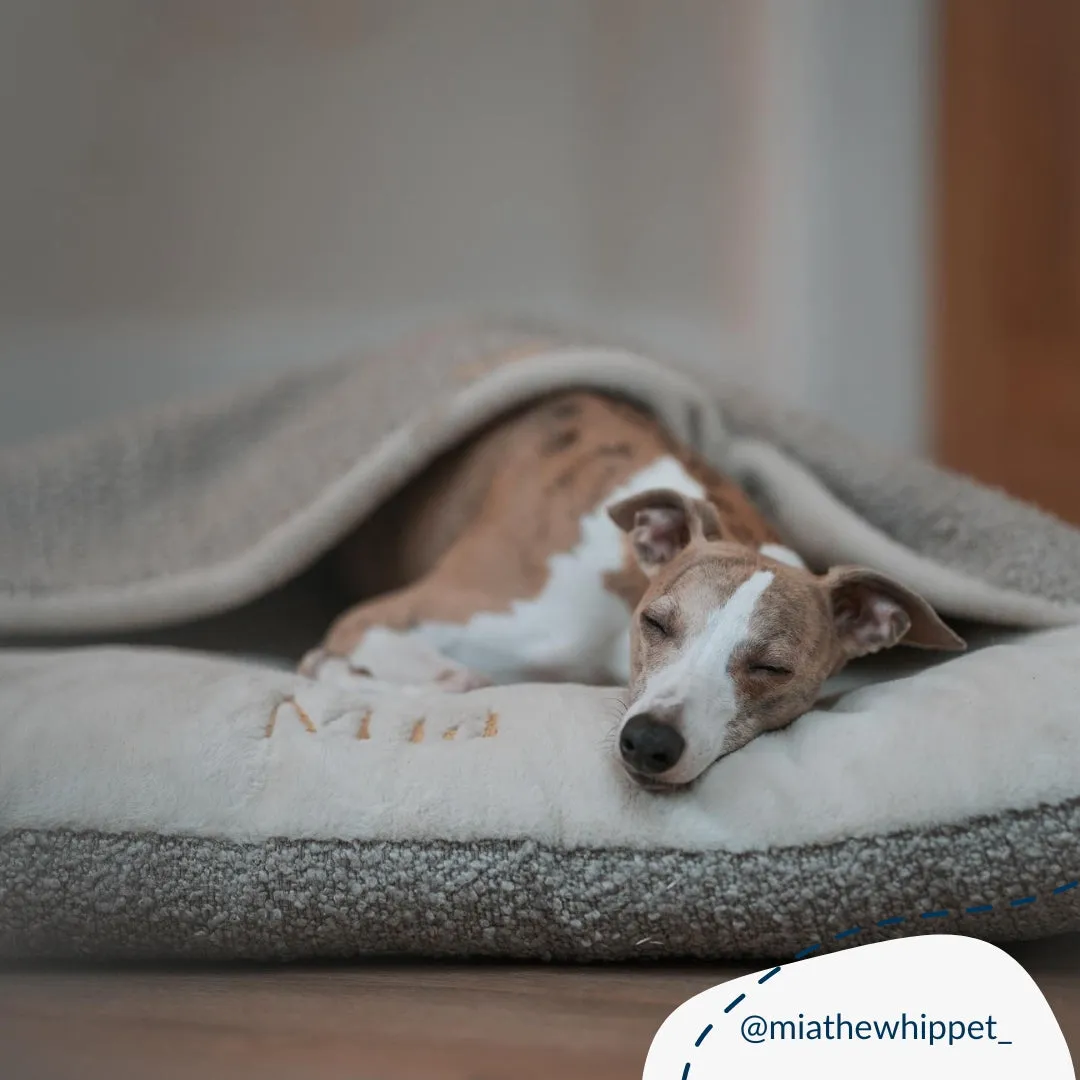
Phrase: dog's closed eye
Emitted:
{"points": [[654, 626], [770, 669]]}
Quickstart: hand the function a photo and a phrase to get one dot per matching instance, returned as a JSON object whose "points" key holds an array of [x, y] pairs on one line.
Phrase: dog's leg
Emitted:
{"points": [[396, 657], [402, 656], [381, 641]]}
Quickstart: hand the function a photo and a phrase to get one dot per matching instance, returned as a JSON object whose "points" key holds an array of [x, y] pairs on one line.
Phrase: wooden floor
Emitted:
{"points": [[385, 1022]]}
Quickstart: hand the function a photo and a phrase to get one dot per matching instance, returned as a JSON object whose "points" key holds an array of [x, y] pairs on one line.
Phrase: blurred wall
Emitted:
{"points": [[196, 191]]}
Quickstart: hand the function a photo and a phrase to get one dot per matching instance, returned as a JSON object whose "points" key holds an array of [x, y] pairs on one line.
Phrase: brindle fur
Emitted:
{"points": [[477, 531]]}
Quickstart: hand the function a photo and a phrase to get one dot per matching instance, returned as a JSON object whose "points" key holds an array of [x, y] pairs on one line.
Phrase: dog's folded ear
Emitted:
{"points": [[872, 612], [661, 523]]}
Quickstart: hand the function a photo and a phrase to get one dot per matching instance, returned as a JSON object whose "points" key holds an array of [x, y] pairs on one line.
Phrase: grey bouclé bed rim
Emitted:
{"points": [[184, 898]]}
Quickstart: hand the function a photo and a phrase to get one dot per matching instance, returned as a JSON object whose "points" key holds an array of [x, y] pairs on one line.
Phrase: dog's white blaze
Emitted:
{"points": [[575, 628], [698, 681], [782, 554], [619, 657]]}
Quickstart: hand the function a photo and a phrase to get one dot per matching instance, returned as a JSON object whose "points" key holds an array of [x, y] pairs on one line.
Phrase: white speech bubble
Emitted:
{"points": [[939, 1006]]}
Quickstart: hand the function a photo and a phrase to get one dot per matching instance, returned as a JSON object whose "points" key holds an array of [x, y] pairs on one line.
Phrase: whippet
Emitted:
{"points": [[575, 541]]}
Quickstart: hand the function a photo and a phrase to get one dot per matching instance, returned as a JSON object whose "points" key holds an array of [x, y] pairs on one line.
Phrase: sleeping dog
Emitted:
{"points": [[574, 541]]}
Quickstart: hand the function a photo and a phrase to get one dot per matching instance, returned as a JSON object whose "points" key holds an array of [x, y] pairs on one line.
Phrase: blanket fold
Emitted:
{"points": [[187, 511]]}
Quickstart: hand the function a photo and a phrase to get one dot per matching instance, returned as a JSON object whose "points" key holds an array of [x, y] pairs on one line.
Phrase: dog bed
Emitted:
{"points": [[198, 801]]}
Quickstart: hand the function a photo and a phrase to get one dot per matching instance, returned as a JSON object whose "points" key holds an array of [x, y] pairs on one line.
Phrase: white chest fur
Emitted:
{"points": [[575, 630]]}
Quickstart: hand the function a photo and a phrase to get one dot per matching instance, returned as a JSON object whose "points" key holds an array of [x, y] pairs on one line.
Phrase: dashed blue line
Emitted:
{"points": [[974, 909]]}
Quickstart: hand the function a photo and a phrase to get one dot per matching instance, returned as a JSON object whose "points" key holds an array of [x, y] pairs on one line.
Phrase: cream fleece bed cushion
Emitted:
{"points": [[167, 802]]}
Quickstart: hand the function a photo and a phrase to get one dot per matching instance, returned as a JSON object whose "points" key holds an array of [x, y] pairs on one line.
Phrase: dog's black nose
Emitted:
{"points": [[650, 746]]}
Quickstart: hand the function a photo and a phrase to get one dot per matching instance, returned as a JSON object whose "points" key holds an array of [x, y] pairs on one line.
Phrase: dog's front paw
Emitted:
{"points": [[412, 665], [312, 661], [460, 680]]}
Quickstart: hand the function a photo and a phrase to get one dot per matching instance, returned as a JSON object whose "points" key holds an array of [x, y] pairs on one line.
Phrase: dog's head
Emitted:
{"points": [[728, 643]]}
